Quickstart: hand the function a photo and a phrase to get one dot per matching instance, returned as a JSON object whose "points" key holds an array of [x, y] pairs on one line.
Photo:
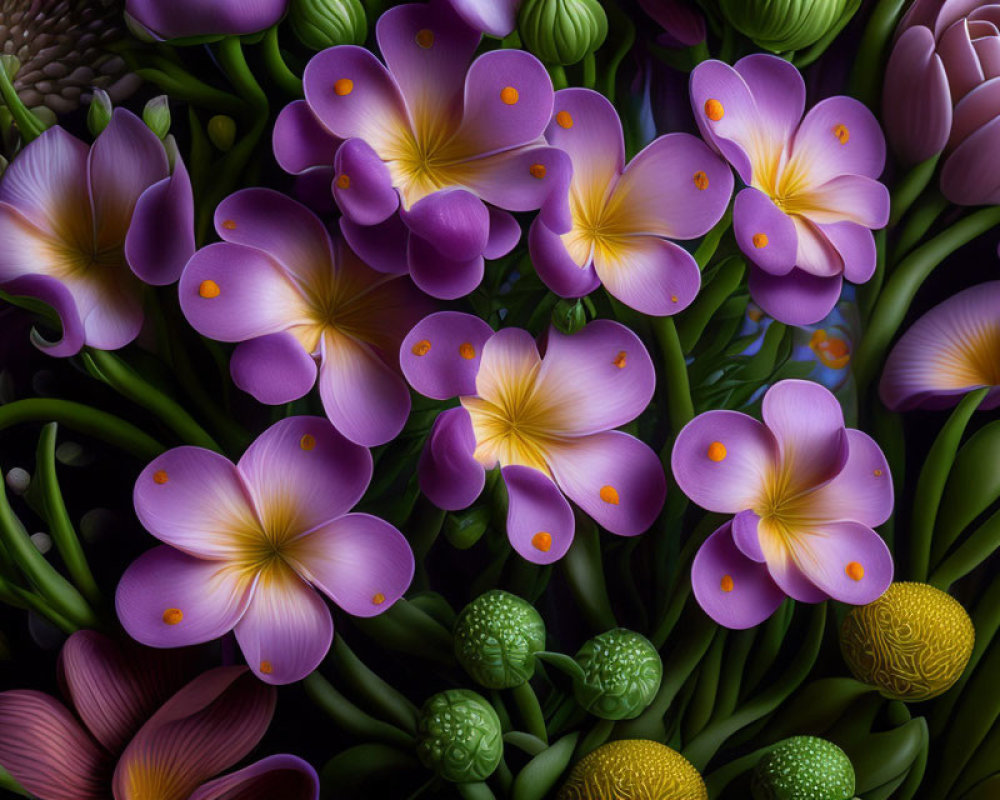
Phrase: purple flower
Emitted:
{"points": [[248, 544], [546, 421], [806, 492], [294, 297], [495, 17], [804, 219], [83, 228], [176, 19], [434, 139], [942, 94], [151, 728], [624, 216], [947, 353]]}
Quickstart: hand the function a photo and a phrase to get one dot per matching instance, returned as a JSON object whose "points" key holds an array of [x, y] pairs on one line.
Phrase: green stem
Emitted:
{"points": [[680, 407], [595, 737], [27, 123], [585, 573], [7, 782], [867, 74], [590, 70], [14, 595], [530, 710], [910, 188], [918, 223], [83, 419], [558, 75], [351, 719], [621, 24], [974, 551], [289, 82], [710, 243], [193, 92], [234, 63], [383, 698]]}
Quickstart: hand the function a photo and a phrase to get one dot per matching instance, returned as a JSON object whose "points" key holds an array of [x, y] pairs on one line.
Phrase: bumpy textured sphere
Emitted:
{"points": [[622, 674], [913, 643], [633, 769], [804, 768], [781, 25], [319, 24], [562, 31], [459, 736], [496, 638]]}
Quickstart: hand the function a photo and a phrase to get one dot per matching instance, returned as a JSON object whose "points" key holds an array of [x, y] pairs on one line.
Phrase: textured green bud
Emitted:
{"points": [[622, 673], [319, 24], [459, 736], [156, 115], [99, 112], [569, 316], [562, 31], [804, 768], [496, 638], [782, 25], [222, 132]]}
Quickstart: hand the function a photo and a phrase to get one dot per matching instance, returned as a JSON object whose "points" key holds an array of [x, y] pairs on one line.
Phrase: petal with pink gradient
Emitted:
{"points": [[302, 473], [840, 136], [509, 357], [846, 560], [815, 254], [961, 64], [651, 275], [612, 476], [721, 460], [797, 298], [971, 175], [194, 500], [440, 356], [361, 562], [856, 247], [440, 276], [783, 569], [287, 629], [449, 475], [495, 17], [206, 727], [737, 123], [300, 141], [505, 233], [975, 110], [274, 369], [556, 267], [382, 247], [733, 590], [210, 596], [364, 399], [231, 293], [454, 221], [540, 523], [46, 751], [602, 376], [363, 187], [285, 776], [854, 198], [160, 237], [746, 536], [861, 492], [765, 233]]}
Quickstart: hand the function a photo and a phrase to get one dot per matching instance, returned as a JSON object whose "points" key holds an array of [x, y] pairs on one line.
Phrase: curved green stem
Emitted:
{"points": [[27, 123], [289, 82], [7, 782], [910, 188], [680, 407], [14, 595], [867, 74], [234, 63], [584, 570], [530, 710], [918, 223], [980, 545], [193, 91], [349, 717]]}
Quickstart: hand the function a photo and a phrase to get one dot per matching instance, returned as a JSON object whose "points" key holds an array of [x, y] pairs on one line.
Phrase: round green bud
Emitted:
{"points": [[99, 112], [459, 736], [222, 132], [782, 25], [569, 316], [562, 31], [319, 24], [803, 768], [156, 115], [622, 673], [496, 638]]}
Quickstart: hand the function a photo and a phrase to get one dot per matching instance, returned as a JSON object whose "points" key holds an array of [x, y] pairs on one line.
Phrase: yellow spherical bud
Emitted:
{"points": [[634, 769], [913, 643]]}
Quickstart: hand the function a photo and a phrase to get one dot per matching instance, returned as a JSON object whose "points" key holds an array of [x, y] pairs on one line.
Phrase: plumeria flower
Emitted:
{"points": [[546, 421], [811, 199], [446, 145], [83, 228], [624, 216], [248, 544], [950, 351], [296, 298], [151, 727], [176, 19], [806, 493]]}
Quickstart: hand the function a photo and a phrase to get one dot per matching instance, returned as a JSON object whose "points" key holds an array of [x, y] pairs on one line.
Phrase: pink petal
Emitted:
{"points": [[856, 247], [454, 221], [440, 356], [540, 524], [361, 562], [288, 777], [975, 110], [275, 369], [862, 491], [971, 176], [300, 141], [815, 254], [382, 247], [785, 571], [846, 560], [495, 17], [765, 233], [449, 474], [439, 276], [649, 274], [302, 473], [55, 294], [961, 64], [109, 301], [853, 198], [822, 147]]}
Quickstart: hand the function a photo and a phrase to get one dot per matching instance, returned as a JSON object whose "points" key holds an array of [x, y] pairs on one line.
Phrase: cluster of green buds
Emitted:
{"points": [[803, 768], [621, 674], [319, 24], [562, 31], [786, 25], [459, 737], [496, 638], [156, 114]]}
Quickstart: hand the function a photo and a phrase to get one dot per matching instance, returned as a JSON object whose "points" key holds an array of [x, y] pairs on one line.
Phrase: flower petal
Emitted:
{"points": [[51, 291], [540, 523], [971, 176], [440, 356], [455, 221], [721, 460], [854, 198], [747, 598], [856, 247], [449, 474], [839, 136], [302, 473], [737, 132], [783, 568], [765, 233], [275, 369], [160, 238], [846, 560], [287, 630], [363, 187], [505, 233], [975, 110], [778, 90], [495, 17], [746, 537], [614, 477], [509, 358], [184, 18], [210, 596], [300, 141], [797, 298], [556, 267], [361, 562], [440, 276], [651, 275], [961, 64], [285, 776], [382, 247], [862, 490], [46, 751]]}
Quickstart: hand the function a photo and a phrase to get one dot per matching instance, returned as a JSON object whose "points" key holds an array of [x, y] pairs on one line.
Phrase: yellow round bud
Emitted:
{"points": [[634, 769]]}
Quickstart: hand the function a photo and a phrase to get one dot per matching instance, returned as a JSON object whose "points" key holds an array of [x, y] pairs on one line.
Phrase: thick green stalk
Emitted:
{"points": [[680, 407], [29, 126], [584, 571], [868, 69], [530, 710], [351, 719], [289, 82], [910, 188]]}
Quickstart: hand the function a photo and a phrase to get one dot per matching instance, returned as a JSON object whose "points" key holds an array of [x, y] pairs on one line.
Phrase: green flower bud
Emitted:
{"points": [[496, 638], [804, 768], [464, 528], [782, 25], [622, 673], [99, 112], [562, 31], [569, 316], [459, 736], [156, 115], [222, 132], [319, 24]]}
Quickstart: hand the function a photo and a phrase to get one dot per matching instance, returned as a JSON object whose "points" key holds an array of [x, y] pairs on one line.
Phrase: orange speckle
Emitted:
{"points": [[759, 240], [467, 351], [842, 133], [378, 598], [714, 110], [160, 477], [421, 348], [855, 571], [620, 360], [307, 442], [877, 473], [716, 451], [343, 181], [425, 38], [509, 95], [700, 180], [172, 616], [564, 120], [209, 289], [609, 494], [673, 298], [229, 224], [726, 584], [343, 87], [537, 171], [266, 667], [542, 541]]}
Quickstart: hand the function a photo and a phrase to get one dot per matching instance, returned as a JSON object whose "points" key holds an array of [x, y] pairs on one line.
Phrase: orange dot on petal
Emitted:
{"points": [[855, 571], [343, 87], [760, 240], [673, 298], [172, 616], [209, 289], [716, 451], [542, 541], [467, 351], [266, 667], [877, 473], [229, 224], [620, 360], [564, 119], [726, 584], [421, 348], [425, 38], [609, 494], [842, 133], [343, 182], [509, 95], [378, 598], [537, 171], [160, 477], [701, 180], [714, 110], [307, 442]]}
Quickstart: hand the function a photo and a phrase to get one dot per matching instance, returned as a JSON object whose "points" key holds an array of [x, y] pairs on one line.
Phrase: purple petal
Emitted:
{"points": [[765, 233], [455, 221], [302, 473], [46, 751], [440, 276], [183, 18], [382, 247], [210, 596], [540, 523], [849, 197], [614, 477], [845, 560], [733, 590], [783, 568], [288, 777], [495, 17], [649, 274], [556, 267], [449, 475], [975, 110], [721, 460], [55, 294], [160, 238], [110, 304], [778, 92], [746, 537], [683, 24], [312, 188], [505, 233], [856, 247], [363, 187], [970, 175], [360, 562], [509, 356], [275, 369], [718, 89], [796, 298], [287, 629], [961, 64], [440, 356], [300, 141], [839, 136], [862, 491]]}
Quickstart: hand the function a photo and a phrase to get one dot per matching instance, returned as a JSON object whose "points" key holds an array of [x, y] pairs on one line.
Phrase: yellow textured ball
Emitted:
{"points": [[913, 643], [634, 769]]}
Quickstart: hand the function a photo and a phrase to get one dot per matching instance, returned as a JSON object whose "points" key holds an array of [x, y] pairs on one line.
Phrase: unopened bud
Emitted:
{"points": [[562, 31], [319, 24], [156, 115], [99, 113], [222, 132]]}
